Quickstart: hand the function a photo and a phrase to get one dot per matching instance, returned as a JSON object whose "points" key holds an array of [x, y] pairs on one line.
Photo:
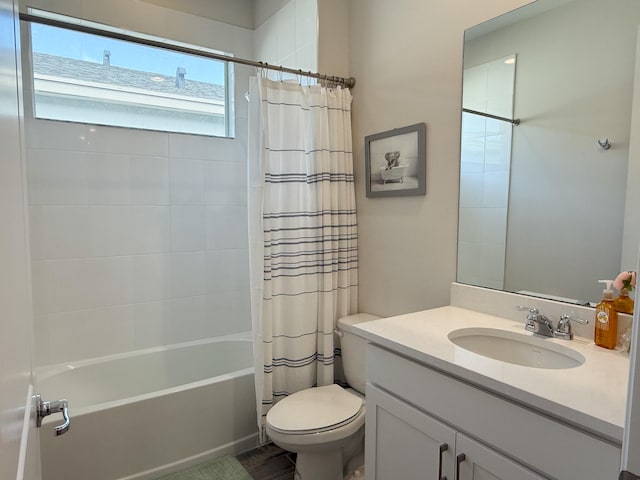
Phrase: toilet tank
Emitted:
{"points": [[354, 350]]}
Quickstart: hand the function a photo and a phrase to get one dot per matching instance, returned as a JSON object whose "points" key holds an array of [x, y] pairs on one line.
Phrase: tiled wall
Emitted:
{"points": [[484, 174], [138, 238], [289, 37]]}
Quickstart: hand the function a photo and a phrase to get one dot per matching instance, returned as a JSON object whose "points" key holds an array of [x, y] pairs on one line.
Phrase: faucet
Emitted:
{"points": [[563, 330], [541, 325], [537, 323]]}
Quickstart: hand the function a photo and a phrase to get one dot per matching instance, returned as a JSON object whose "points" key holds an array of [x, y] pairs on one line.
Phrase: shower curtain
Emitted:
{"points": [[302, 233]]}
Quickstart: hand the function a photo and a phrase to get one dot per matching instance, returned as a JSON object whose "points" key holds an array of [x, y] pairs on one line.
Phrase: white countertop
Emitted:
{"points": [[591, 396]]}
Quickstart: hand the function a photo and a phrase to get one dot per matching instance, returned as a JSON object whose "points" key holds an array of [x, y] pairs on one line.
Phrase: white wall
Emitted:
{"points": [[138, 237], [406, 56], [235, 12], [567, 195], [288, 37]]}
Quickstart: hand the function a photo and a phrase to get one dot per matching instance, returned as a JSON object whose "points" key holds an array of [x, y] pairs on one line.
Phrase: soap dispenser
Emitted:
{"points": [[606, 331], [625, 282]]}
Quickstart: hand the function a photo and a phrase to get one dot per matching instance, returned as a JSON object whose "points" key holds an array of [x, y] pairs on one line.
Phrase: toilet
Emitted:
{"points": [[324, 426]]}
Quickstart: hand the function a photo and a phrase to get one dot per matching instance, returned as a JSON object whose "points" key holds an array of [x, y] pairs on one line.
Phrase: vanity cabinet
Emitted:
{"points": [[423, 423], [403, 442]]}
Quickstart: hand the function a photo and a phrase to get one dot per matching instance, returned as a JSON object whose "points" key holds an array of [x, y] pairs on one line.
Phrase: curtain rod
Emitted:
{"points": [[26, 17], [515, 121]]}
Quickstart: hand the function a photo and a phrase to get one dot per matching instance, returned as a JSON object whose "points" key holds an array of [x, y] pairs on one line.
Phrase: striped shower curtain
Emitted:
{"points": [[302, 231]]}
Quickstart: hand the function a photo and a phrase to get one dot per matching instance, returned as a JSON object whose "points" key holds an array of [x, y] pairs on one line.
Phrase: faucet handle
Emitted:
{"points": [[563, 330], [531, 310], [565, 317]]}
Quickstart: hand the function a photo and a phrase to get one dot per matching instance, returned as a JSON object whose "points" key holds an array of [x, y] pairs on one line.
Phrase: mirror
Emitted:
{"points": [[547, 206]]}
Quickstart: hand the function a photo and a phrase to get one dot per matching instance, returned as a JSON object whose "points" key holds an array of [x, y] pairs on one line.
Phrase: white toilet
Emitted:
{"points": [[325, 425]]}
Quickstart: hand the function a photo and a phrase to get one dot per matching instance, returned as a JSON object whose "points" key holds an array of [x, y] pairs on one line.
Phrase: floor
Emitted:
{"points": [[268, 463], [263, 463]]}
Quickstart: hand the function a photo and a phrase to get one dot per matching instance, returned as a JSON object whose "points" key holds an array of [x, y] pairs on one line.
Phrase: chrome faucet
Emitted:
{"points": [[537, 323], [541, 325], [563, 330]]}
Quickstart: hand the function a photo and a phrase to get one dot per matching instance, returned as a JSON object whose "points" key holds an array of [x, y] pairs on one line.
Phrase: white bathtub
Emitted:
{"points": [[148, 413]]}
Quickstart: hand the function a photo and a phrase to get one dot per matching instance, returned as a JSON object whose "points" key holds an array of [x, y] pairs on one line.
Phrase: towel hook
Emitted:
{"points": [[604, 143]]}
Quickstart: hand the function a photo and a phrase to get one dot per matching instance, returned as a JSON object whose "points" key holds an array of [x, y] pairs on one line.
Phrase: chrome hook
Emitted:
{"points": [[604, 143]]}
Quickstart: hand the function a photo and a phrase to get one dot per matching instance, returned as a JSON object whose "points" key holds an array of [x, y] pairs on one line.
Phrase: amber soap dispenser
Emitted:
{"points": [[606, 332]]}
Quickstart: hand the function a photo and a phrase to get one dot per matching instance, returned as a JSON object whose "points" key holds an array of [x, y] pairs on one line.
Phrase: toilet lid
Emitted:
{"points": [[314, 409]]}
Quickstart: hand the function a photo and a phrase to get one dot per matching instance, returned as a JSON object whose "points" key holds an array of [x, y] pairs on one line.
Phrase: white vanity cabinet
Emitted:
{"points": [[422, 423], [404, 442]]}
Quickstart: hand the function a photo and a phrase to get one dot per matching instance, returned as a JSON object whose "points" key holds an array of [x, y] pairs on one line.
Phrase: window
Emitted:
{"points": [[82, 77]]}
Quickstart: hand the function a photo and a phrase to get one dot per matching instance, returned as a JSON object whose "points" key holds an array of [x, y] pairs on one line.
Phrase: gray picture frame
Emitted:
{"points": [[395, 162]]}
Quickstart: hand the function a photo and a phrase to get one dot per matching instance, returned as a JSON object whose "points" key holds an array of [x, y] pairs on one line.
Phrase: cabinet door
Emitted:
{"points": [[478, 462], [404, 442]]}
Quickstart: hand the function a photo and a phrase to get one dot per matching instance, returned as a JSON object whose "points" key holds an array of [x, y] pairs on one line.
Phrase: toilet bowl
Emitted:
{"points": [[325, 425]]}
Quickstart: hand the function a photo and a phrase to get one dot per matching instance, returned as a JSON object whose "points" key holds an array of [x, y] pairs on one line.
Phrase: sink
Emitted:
{"points": [[519, 349]]}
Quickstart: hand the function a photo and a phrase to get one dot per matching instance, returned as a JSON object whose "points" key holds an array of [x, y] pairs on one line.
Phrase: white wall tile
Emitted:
{"points": [[470, 224], [266, 43], [227, 313], [68, 286], [110, 280], [41, 340], [57, 177], [60, 232], [306, 22], [226, 227], [92, 333], [227, 271], [188, 319], [471, 187], [286, 31], [307, 58], [187, 228], [493, 225], [127, 141], [496, 190], [187, 181], [52, 135], [39, 288], [110, 231], [225, 183], [150, 277], [150, 230], [108, 179], [149, 180], [187, 274], [493, 258], [151, 324], [202, 148]]}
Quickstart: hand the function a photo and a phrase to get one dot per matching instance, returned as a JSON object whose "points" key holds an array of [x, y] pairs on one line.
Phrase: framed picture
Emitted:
{"points": [[395, 163]]}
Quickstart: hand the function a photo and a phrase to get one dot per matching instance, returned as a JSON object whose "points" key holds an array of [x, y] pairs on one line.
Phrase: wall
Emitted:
{"points": [[564, 188], [406, 56], [234, 12], [138, 237], [288, 37], [485, 161]]}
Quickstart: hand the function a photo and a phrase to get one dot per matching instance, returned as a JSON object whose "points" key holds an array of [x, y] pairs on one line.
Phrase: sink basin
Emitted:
{"points": [[516, 348]]}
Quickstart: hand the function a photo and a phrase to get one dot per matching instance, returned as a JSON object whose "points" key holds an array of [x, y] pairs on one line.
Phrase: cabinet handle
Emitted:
{"points": [[443, 448], [459, 459]]}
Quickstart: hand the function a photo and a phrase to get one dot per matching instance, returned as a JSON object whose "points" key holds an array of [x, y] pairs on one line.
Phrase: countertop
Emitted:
{"points": [[591, 396]]}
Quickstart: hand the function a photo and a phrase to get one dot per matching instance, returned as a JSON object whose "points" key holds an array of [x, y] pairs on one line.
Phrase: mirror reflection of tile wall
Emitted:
{"points": [[484, 173]]}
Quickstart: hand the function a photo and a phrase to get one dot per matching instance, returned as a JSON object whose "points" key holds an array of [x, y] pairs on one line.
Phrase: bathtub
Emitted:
{"points": [[393, 173], [145, 414]]}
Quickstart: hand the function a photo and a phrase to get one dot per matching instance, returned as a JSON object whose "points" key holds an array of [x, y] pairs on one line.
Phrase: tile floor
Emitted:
{"points": [[268, 462]]}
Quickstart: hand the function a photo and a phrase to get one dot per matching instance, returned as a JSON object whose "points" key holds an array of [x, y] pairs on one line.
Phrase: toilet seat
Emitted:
{"points": [[315, 410]]}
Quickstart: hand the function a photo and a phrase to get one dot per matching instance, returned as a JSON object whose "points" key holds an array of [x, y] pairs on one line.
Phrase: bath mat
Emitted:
{"points": [[223, 468]]}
